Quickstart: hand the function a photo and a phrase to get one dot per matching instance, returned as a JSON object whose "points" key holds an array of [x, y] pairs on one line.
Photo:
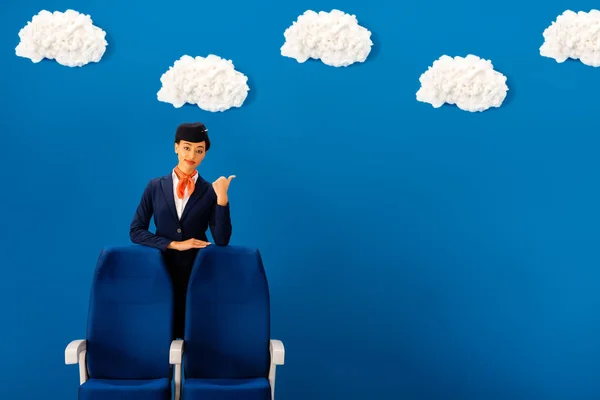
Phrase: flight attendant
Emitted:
{"points": [[184, 206]]}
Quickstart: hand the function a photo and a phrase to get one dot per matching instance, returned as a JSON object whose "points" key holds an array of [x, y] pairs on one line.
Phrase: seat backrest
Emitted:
{"points": [[227, 328], [130, 316]]}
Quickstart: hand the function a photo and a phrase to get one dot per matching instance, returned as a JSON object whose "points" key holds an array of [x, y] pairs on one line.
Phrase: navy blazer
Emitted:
{"points": [[201, 212]]}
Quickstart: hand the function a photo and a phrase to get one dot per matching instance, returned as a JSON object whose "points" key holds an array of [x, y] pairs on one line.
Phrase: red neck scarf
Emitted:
{"points": [[185, 181]]}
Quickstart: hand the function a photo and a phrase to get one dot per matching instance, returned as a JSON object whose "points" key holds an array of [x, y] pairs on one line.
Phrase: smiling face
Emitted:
{"points": [[190, 155]]}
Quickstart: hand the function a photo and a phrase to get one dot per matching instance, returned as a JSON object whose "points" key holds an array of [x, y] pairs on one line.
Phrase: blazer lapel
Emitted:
{"points": [[201, 187], [167, 188]]}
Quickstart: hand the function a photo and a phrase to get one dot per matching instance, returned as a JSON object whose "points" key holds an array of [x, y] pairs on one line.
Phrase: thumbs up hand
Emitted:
{"points": [[221, 186]]}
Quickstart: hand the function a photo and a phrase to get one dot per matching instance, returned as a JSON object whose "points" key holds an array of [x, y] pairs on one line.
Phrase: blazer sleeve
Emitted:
{"points": [[220, 224], [138, 230]]}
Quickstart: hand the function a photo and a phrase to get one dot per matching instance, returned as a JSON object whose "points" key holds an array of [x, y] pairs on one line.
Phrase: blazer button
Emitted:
{"points": [[178, 230]]}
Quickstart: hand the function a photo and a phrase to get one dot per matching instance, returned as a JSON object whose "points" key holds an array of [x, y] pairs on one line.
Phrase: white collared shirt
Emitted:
{"points": [[180, 203]]}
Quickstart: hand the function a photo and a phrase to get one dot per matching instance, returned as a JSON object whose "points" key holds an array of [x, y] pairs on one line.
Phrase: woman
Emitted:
{"points": [[184, 206]]}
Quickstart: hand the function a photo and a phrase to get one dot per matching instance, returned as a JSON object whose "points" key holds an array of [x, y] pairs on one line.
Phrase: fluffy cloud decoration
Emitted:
{"points": [[469, 82], [211, 83], [573, 35], [335, 38], [70, 38]]}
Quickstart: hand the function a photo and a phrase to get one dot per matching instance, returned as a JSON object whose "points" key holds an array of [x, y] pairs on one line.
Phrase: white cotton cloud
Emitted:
{"points": [[469, 82], [573, 35], [70, 38], [335, 38], [209, 82]]}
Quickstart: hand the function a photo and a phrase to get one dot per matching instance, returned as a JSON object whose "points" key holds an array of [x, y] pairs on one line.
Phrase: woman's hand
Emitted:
{"points": [[188, 244], [221, 186]]}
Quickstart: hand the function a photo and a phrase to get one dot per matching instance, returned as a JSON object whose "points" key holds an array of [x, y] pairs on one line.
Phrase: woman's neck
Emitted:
{"points": [[186, 169]]}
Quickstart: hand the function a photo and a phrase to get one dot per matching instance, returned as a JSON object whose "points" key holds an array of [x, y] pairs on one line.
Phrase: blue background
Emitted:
{"points": [[412, 252]]}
